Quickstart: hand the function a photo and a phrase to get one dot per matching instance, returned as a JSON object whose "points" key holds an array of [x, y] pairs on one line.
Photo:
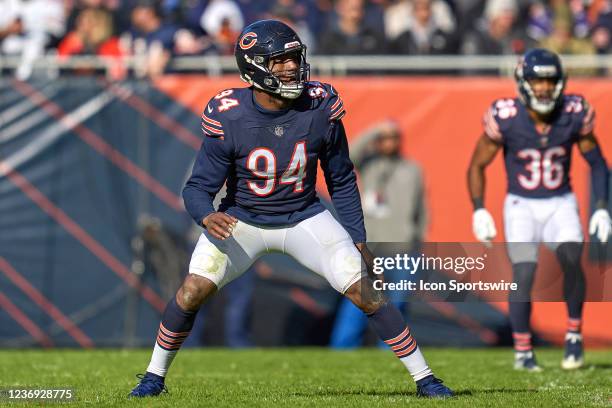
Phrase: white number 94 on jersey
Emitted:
{"points": [[262, 164]]}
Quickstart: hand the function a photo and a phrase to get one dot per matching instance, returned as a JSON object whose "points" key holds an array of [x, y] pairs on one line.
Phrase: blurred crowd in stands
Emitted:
{"points": [[158, 30]]}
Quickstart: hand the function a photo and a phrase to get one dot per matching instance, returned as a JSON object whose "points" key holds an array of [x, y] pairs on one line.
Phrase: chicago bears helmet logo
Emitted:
{"points": [[248, 40]]}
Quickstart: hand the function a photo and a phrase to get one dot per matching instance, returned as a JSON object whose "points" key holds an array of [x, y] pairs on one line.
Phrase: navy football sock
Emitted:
{"points": [[174, 328], [520, 305], [519, 316], [390, 326], [574, 285]]}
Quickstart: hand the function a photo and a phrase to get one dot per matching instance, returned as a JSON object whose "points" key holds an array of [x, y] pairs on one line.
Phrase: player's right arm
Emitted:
{"points": [[483, 225], [484, 153], [209, 173], [486, 149], [600, 223]]}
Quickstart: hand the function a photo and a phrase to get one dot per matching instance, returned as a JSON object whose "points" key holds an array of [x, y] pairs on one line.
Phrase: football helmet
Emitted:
{"points": [[258, 44], [539, 63]]}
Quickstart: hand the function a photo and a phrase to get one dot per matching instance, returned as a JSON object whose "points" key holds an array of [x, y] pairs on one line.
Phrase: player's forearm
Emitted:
{"points": [[476, 185], [342, 183], [347, 202], [485, 152], [198, 202], [599, 176]]}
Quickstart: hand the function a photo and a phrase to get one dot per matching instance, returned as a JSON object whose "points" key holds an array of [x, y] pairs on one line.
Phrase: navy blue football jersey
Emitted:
{"points": [[538, 163], [269, 159]]}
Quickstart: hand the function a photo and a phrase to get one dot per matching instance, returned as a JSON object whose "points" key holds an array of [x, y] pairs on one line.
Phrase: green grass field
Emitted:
{"points": [[310, 378]]}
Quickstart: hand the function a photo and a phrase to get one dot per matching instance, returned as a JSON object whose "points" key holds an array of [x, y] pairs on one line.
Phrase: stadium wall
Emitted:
{"points": [[81, 159]]}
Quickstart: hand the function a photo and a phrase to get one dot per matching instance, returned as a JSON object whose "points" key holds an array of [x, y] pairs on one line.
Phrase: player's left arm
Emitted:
{"points": [[600, 223], [342, 182], [589, 148]]}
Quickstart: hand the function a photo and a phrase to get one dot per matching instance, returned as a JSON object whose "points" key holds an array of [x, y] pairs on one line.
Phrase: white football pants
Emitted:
{"points": [[529, 221], [319, 243]]}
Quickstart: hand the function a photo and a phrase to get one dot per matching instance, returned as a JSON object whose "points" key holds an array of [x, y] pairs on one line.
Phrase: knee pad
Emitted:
{"points": [[569, 254]]}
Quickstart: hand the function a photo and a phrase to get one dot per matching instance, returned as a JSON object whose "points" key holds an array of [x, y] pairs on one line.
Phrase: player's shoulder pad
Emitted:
{"points": [[577, 106], [328, 99], [498, 117], [220, 110]]}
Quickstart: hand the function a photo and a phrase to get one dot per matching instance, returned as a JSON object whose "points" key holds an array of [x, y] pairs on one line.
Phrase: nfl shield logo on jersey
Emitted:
{"points": [[279, 131]]}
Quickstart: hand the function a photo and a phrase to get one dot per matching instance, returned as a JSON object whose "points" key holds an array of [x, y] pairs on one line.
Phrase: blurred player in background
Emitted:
{"points": [[266, 141], [537, 131]]}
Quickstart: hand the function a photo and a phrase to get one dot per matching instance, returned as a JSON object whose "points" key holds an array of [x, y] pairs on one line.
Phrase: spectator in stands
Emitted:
{"points": [[93, 35], [317, 17], [222, 20], [561, 40], [29, 28], [294, 15], [76, 7], [539, 21], [253, 10], [542, 16], [602, 30], [579, 14], [424, 35], [467, 15], [374, 15], [402, 16], [153, 40], [498, 34], [350, 35], [10, 20], [392, 186]]}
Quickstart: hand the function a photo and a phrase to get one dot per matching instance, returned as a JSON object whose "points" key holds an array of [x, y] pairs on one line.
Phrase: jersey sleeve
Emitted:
{"points": [[342, 182], [497, 117], [332, 105], [210, 168], [586, 118], [211, 120]]}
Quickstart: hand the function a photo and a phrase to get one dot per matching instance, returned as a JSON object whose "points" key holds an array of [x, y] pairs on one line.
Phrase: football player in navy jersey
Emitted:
{"points": [[264, 142], [537, 131]]}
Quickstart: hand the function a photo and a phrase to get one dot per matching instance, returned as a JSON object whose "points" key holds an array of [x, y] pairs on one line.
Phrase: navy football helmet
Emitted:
{"points": [[539, 63], [258, 44]]}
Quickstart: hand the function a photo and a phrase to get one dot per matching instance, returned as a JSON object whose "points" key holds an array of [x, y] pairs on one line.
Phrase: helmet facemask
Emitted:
{"points": [[543, 107], [527, 94], [272, 82]]}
